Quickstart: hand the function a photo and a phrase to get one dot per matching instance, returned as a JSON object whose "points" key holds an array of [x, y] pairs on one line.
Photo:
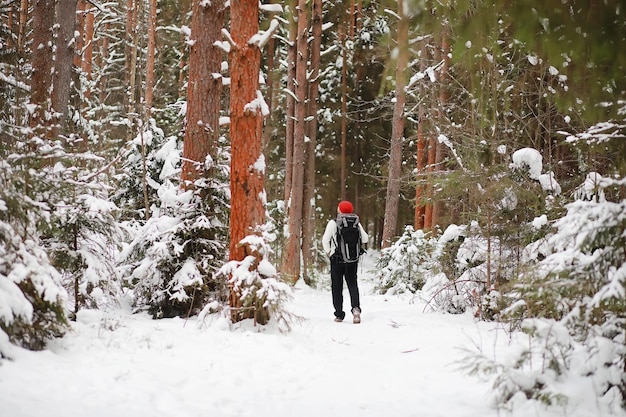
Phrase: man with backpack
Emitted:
{"points": [[342, 242]]}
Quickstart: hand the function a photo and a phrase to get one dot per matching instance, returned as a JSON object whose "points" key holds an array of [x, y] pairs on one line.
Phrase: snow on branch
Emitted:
{"points": [[271, 8], [598, 133], [444, 139], [223, 45], [430, 72], [392, 13], [15, 83], [229, 38], [256, 105], [293, 96], [263, 37]]}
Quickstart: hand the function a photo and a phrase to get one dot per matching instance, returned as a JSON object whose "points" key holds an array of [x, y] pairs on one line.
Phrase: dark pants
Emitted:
{"points": [[339, 270]]}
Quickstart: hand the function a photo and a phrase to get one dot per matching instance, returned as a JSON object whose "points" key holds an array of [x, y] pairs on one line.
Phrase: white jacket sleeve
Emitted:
{"points": [[364, 236], [328, 239]]}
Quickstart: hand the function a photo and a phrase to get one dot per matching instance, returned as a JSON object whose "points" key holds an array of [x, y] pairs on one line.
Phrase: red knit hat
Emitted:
{"points": [[345, 207]]}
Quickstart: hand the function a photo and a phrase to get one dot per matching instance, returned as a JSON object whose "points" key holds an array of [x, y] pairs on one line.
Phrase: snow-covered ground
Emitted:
{"points": [[398, 362]]}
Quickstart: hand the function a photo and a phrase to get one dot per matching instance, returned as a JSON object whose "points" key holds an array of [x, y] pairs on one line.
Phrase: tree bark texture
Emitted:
{"points": [[131, 63], [272, 82], [444, 97], [397, 133], [64, 59], [291, 261], [422, 149], [344, 111], [80, 33], [21, 33], [87, 61], [430, 168], [151, 52], [290, 106], [308, 212], [204, 89], [41, 80], [246, 122]]}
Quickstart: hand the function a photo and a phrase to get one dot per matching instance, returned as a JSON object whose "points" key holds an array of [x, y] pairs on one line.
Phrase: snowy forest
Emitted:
{"points": [[182, 157]]}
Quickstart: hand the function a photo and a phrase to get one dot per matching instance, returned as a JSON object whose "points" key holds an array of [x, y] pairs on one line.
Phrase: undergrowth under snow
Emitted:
{"points": [[402, 360]]}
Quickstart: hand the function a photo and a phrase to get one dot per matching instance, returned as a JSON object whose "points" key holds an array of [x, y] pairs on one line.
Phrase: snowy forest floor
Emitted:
{"points": [[400, 361]]}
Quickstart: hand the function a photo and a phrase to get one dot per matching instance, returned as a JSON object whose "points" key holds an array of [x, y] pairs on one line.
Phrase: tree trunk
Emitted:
{"points": [[272, 81], [421, 164], [151, 52], [291, 261], [308, 213], [131, 63], [41, 80], [444, 96], [422, 148], [204, 90], [344, 111], [87, 62], [80, 33], [102, 59], [290, 106], [246, 125], [246, 178], [431, 155], [397, 133], [21, 29], [64, 58]]}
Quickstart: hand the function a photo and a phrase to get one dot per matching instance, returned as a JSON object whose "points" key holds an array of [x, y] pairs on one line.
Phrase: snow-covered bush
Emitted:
{"points": [[573, 305], [255, 284], [170, 263], [32, 299], [404, 265], [82, 236], [146, 161]]}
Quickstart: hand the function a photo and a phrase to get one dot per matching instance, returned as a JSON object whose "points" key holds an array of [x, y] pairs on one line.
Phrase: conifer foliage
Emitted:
{"points": [[32, 298]]}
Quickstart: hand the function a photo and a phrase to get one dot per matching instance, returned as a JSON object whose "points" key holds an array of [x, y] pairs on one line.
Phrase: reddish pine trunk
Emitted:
{"points": [[80, 33], [272, 81], [66, 17], [344, 111], [151, 52], [131, 60], [444, 96], [41, 80], [203, 90], [101, 59], [430, 170], [247, 186], [397, 133], [21, 34], [291, 261], [422, 148], [87, 64], [290, 108], [308, 212], [428, 211], [246, 179], [421, 163]]}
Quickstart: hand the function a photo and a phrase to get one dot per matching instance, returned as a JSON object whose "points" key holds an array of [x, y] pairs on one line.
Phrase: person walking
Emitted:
{"points": [[342, 242]]}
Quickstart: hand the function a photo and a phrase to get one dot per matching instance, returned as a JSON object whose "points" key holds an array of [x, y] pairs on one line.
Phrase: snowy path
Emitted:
{"points": [[398, 362]]}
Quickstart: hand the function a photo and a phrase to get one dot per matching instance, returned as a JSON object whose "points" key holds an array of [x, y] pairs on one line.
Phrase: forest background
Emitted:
{"points": [[185, 155]]}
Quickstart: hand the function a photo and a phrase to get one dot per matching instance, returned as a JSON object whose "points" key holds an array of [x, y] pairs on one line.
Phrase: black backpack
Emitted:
{"points": [[348, 238]]}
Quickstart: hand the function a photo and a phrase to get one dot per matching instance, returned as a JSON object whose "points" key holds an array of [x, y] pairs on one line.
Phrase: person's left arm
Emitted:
{"points": [[364, 236]]}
